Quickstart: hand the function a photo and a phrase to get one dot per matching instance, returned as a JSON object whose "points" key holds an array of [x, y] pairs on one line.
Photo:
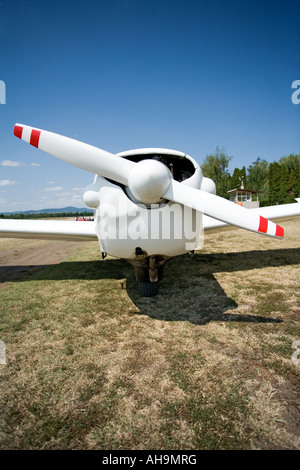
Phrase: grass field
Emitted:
{"points": [[207, 364]]}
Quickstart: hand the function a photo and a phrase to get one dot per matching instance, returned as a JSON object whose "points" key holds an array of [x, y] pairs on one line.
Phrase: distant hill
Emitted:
{"points": [[68, 209]]}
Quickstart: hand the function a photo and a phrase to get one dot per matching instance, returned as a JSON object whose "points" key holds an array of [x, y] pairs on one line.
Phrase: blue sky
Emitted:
{"points": [[121, 74]]}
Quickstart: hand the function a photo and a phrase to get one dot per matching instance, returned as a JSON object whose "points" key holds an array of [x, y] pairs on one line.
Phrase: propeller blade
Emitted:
{"points": [[77, 153], [221, 209]]}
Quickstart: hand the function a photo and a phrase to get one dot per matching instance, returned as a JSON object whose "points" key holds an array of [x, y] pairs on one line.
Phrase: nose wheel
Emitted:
{"points": [[148, 289], [147, 275]]}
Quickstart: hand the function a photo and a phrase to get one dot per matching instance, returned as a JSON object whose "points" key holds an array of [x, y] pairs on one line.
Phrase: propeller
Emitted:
{"points": [[149, 181], [77, 153], [222, 209]]}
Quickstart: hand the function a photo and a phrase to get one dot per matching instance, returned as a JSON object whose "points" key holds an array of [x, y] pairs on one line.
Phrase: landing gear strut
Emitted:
{"points": [[148, 271]]}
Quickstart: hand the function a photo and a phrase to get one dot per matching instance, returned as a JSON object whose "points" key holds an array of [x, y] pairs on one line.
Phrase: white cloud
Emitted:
{"points": [[10, 163], [78, 189], [56, 188], [7, 182]]}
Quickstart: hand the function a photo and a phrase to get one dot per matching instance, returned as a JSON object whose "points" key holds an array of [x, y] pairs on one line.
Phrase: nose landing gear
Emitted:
{"points": [[148, 271]]}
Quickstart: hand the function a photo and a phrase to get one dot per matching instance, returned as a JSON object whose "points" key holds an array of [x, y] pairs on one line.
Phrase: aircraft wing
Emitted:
{"points": [[85, 230], [269, 212], [67, 230]]}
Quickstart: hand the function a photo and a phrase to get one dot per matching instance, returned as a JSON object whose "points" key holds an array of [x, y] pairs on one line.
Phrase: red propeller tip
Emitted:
{"points": [[279, 231], [18, 130]]}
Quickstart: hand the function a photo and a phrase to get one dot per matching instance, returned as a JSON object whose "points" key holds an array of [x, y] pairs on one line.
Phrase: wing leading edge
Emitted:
{"points": [[48, 229]]}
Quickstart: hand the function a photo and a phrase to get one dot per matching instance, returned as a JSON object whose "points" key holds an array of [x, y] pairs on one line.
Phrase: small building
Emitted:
{"points": [[244, 197]]}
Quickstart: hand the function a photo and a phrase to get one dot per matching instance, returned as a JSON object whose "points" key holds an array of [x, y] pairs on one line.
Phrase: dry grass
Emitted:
{"points": [[14, 243], [204, 365]]}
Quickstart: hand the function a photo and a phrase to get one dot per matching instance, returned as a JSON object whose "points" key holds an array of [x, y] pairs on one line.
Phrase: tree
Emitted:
{"points": [[293, 185], [292, 162], [258, 179], [283, 185], [284, 180], [274, 183], [215, 167], [238, 177]]}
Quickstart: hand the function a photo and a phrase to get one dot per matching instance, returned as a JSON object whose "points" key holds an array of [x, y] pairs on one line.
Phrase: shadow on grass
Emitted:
{"points": [[189, 290]]}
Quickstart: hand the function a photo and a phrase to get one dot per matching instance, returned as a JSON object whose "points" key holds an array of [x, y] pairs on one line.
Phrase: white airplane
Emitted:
{"points": [[150, 205]]}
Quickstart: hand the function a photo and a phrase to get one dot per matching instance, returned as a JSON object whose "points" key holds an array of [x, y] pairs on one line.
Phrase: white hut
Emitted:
{"points": [[244, 197]]}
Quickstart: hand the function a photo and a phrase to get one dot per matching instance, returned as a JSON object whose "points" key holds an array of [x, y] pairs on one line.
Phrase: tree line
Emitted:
{"points": [[45, 215], [278, 182]]}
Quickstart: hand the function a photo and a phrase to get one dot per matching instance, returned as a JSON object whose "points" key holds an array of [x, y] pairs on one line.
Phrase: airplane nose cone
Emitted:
{"points": [[148, 181]]}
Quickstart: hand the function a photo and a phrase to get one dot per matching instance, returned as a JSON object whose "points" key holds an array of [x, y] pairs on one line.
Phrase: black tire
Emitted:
{"points": [[148, 289]]}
